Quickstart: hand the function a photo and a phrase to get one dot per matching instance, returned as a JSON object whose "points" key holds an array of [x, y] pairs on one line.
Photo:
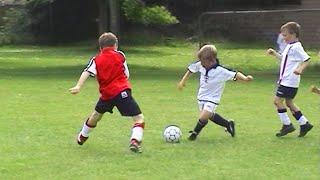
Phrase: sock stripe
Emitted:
{"points": [[139, 125], [282, 110]]}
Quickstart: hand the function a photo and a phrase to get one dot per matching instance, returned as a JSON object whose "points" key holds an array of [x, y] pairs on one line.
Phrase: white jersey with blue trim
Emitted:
{"points": [[212, 81], [292, 56]]}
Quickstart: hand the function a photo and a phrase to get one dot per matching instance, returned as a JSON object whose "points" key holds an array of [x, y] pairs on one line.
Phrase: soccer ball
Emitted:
{"points": [[172, 134]]}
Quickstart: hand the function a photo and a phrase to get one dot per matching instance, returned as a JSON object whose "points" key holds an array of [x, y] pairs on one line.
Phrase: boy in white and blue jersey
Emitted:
{"points": [[212, 82], [293, 62]]}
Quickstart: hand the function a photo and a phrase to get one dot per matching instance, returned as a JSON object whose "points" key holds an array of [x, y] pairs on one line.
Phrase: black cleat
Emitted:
{"points": [[230, 129], [81, 139], [286, 129], [304, 129], [193, 135]]}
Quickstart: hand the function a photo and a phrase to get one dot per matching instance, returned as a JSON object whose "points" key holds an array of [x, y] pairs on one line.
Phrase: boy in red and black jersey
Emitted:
{"points": [[111, 71]]}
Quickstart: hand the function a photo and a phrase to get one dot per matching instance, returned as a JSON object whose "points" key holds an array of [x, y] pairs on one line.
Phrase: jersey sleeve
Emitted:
{"points": [[91, 67], [126, 69], [228, 74], [194, 67], [301, 55]]}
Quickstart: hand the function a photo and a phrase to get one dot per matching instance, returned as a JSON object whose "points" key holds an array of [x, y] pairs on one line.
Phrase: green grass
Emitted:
{"points": [[39, 118]]}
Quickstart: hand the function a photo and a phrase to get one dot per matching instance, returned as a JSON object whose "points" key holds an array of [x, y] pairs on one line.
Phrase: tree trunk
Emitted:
{"points": [[103, 21], [114, 9]]}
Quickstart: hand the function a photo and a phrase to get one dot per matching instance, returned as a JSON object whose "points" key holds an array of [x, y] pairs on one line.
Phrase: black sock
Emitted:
{"points": [[216, 118], [201, 124], [297, 115]]}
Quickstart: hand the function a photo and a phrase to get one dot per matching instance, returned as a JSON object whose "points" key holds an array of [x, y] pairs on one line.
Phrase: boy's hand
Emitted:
{"points": [[75, 90], [314, 89], [271, 51], [298, 71], [181, 85], [249, 78]]}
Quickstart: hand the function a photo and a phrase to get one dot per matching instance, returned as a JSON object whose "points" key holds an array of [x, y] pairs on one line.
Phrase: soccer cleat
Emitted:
{"points": [[304, 129], [286, 129], [193, 135], [135, 146], [81, 139], [230, 129]]}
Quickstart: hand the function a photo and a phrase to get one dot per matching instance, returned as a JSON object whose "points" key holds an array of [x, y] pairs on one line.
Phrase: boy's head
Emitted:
{"points": [[290, 31], [108, 40], [207, 55]]}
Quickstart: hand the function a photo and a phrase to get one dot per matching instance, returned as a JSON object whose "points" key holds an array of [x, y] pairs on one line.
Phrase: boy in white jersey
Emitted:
{"points": [[293, 61], [212, 81]]}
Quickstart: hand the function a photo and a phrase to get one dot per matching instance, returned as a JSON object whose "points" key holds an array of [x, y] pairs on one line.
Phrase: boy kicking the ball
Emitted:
{"points": [[293, 62], [212, 81], [111, 71]]}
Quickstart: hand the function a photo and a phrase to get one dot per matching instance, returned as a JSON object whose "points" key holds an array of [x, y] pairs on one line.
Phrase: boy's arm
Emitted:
{"points": [[182, 82], [274, 53], [76, 89], [301, 67], [242, 77]]}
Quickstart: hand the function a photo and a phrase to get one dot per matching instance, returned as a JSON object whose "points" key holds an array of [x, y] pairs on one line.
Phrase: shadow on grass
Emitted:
{"points": [[66, 72], [136, 72]]}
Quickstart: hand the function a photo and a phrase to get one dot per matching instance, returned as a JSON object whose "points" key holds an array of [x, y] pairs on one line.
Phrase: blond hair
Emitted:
{"points": [[292, 28], [108, 39], [207, 53]]}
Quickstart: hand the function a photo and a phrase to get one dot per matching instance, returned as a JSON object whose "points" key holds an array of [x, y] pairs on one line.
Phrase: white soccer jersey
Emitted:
{"points": [[292, 56], [212, 81]]}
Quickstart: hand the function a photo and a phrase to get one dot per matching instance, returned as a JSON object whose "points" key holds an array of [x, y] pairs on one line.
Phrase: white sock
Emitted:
{"points": [[86, 129], [284, 118], [137, 132], [303, 120]]}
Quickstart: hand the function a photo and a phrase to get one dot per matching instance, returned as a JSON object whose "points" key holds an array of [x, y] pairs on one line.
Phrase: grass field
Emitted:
{"points": [[40, 119]]}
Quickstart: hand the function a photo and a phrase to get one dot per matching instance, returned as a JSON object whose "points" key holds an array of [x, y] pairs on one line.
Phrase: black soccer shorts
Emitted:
{"points": [[286, 92], [124, 102]]}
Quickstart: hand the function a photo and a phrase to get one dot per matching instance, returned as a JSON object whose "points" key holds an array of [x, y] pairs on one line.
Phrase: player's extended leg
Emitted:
{"points": [[305, 126], [88, 125], [137, 133], [203, 121], [229, 125], [287, 126]]}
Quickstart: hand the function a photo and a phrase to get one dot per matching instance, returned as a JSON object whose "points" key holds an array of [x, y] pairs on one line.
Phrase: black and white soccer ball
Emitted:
{"points": [[172, 134]]}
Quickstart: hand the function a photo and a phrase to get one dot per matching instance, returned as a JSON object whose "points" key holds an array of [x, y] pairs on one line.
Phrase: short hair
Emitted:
{"points": [[207, 53], [292, 28], [107, 39]]}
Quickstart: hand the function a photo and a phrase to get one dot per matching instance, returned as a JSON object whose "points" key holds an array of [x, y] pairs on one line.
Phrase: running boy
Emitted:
{"points": [[293, 61], [212, 81], [110, 68]]}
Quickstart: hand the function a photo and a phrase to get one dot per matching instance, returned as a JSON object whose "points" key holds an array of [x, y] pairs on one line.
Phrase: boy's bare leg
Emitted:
{"points": [[137, 133], [88, 126], [287, 126]]}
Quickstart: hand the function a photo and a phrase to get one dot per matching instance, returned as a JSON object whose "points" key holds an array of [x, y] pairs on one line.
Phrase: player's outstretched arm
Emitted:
{"points": [[314, 89], [76, 89], [242, 77], [274, 53], [182, 82]]}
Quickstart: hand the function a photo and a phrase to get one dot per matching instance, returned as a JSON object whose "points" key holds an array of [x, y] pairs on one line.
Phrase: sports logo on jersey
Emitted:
{"points": [[124, 94]]}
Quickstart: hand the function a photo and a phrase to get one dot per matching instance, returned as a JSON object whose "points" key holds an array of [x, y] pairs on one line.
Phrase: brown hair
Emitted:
{"points": [[292, 28], [207, 53], [107, 40]]}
